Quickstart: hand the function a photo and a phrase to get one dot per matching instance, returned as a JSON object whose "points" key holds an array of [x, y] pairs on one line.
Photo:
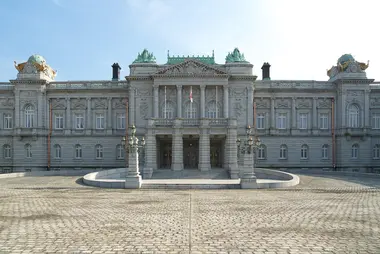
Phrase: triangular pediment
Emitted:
{"points": [[191, 68]]}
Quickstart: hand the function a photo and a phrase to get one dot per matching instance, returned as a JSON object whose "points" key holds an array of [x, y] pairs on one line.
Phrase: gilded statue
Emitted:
{"points": [[20, 66], [347, 63]]}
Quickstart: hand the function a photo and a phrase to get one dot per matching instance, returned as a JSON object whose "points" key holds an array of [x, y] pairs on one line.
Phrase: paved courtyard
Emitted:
{"points": [[59, 215]]}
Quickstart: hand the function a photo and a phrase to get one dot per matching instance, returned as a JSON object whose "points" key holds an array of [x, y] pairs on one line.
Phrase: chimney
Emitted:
{"points": [[266, 74], [116, 72]]}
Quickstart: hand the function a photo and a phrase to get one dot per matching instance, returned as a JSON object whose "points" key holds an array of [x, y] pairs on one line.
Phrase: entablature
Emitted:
{"points": [[87, 85]]}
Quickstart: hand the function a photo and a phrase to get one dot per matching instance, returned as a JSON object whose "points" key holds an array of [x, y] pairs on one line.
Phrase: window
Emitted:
{"points": [[325, 154], [29, 115], [8, 123], [191, 110], [120, 121], [376, 121], [168, 110], [260, 118], [304, 152], [353, 116], [78, 152], [355, 151], [303, 121], [281, 121], [323, 121], [79, 121], [283, 152], [212, 111], [376, 151], [57, 151], [261, 152], [99, 121], [120, 152], [28, 151], [7, 152], [58, 121], [99, 151]]}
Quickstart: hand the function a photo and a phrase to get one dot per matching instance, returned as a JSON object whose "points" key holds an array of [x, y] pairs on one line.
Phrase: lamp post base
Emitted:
{"points": [[133, 182], [248, 183]]}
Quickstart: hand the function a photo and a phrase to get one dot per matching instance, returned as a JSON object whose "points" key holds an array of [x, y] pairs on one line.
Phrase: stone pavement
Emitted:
{"points": [[321, 215]]}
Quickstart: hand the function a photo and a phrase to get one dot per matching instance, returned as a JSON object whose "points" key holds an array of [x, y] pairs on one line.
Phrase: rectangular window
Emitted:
{"points": [[58, 121], [323, 121], [79, 121], [281, 121], [99, 121], [260, 121], [376, 121], [8, 123], [120, 121], [120, 152], [303, 121]]}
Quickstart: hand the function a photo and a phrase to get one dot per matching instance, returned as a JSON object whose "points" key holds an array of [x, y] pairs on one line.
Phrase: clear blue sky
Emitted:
{"points": [[81, 39]]}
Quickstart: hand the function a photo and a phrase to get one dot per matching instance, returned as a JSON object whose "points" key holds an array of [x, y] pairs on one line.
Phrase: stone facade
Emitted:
{"points": [[191, 111]]}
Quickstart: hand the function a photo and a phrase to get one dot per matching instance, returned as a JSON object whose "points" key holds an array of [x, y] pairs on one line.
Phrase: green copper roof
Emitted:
{"points": [[179, 59], [36, 59]]}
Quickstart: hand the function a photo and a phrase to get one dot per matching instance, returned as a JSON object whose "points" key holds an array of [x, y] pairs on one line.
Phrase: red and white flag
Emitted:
{"points": [[191, 94]]}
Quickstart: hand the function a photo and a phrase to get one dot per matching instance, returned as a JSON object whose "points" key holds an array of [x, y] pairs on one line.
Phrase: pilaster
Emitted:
{"points": [[250, 119], [89, 118], [151, 147], [294, 114], [155, 100], [367, 115], [40, 109], [68, 125], [17, 109], [232, 149], [109, 116], [131, 105], [177, 150], [204, 146], [179, 101], [225, 101], [272, 114], [202, 87]]}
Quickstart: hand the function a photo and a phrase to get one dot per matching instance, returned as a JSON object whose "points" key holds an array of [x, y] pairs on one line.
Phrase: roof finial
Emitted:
{"points": [[212, 53], [168, 54]]}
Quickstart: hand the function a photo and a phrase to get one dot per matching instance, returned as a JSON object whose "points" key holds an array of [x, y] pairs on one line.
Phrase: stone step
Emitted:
{"points": [[189, 186]]}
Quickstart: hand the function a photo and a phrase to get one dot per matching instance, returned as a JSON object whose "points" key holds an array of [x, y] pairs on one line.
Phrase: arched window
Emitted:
{"points": [[120, 152], [353, 116], [168, 110], [57, 151], [7, 151], [376, 151], [355, 151], [325, 154], [261, 152], [283, 152], [28, 151], [29, 115], [99, 151], [212, 110], [191, 110], [304, 152], [78, 151]]}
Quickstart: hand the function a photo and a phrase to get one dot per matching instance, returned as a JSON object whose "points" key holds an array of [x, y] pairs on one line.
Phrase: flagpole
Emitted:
{"points": [[191, 102], [165, 104]]}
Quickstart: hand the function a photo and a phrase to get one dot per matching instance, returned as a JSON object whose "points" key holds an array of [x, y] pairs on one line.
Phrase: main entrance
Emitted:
{"points": [[190, 152], [164, 153], [216, 153]]}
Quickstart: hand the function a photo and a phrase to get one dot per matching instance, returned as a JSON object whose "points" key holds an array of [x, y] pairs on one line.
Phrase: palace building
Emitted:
{"points": [[191, 111]]}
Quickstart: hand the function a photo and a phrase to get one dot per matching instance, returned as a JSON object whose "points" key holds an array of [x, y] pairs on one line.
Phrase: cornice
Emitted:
{"points": [[130, 78], [26, 81], [191, 75], [352, 81], [243, 77]]}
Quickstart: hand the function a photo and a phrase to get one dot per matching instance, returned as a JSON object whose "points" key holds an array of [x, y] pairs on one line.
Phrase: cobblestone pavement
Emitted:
{"points": [[321, 215]]}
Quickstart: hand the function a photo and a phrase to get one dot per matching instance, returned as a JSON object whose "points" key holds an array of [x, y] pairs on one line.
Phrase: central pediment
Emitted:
{"points": [[191, 68]]}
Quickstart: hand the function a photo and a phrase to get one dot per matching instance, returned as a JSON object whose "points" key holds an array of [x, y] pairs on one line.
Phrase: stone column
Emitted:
{"points": [[203, 99], [68, 125], [294, 114], [366, 115], [40, 112], [150, 151], [133, 179], [315, 114], [177, 146], [88, 125], [232, 149], [109, 116], [131, 105], [250, 116], [155, 101], [225, 101], [179, 101], [344, 115], [17, 109], [204, 146], [272, 113]]}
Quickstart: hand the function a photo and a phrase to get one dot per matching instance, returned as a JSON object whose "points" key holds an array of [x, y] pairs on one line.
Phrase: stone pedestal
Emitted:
{"points": [[248, 180], [133, 179]]}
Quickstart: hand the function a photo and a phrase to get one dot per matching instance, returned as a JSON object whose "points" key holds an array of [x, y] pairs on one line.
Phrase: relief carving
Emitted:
{"points": [[304, 103], [375, 102], [28, 93], [144, 107], [238, 109], [79, 103], [262, 103], [282, 103], [191, 68], [99, 103], [324, 103], [355, 93], [120, 103], [8, 103], [144, 92], [58, 103], [238, 92]]}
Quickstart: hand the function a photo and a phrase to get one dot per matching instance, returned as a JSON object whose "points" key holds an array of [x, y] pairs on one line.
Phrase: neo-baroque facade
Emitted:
{"points": [[190, 111]]}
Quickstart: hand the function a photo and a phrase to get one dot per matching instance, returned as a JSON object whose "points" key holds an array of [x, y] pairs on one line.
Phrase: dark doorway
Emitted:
{"points": [[165, 153], [191, 153], [216, 153]]}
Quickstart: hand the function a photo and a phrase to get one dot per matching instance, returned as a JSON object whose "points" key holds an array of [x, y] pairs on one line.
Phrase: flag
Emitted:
{"points": [[191, 94]]}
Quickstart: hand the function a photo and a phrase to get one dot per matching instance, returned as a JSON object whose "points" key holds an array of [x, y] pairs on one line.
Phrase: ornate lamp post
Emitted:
{"points": [[247, 149], [133, 179]]}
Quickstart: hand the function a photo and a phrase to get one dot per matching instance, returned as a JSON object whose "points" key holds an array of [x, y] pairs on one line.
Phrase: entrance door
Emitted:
{"points": [[166, 154], [216, 154], [190, 154]]}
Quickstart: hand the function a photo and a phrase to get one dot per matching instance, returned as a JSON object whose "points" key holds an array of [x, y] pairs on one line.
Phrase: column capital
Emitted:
{"points": [[67, 99], [88, 99], [179, 86], [155, 86], [202, 87], [109, 98], [315, 98], [294, 98], [226, 86]]}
